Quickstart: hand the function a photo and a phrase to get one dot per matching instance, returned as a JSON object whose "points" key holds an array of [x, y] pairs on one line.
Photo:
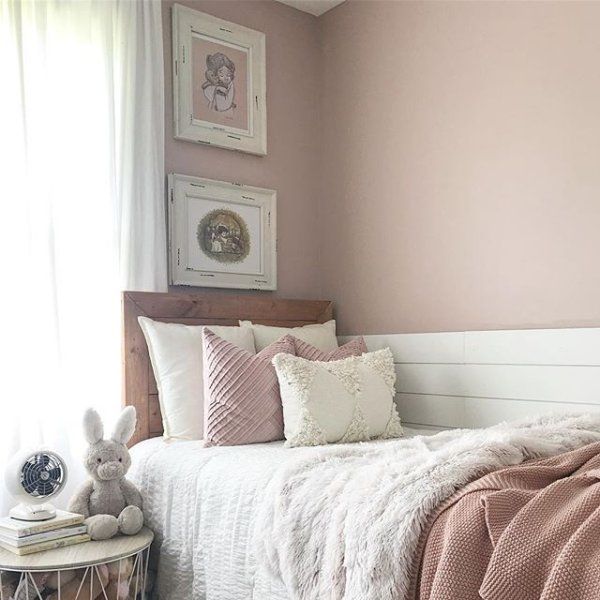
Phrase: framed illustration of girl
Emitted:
{"points": [[219, 82]]}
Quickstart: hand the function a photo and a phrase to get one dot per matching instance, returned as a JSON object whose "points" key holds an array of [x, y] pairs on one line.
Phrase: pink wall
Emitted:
{"points": [[292, 163], [461, 165], [437, 163]]}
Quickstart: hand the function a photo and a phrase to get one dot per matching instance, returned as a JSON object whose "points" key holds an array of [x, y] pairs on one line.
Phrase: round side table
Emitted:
{"points": [[114, 569]]}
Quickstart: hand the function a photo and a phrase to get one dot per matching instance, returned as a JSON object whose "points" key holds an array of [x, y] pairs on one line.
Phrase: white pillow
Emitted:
{"points": [[349, 400], [319, 335], [176, 355]]}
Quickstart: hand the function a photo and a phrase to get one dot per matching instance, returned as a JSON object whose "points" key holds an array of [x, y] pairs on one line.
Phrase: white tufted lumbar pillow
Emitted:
{"points": [[349, 400]]}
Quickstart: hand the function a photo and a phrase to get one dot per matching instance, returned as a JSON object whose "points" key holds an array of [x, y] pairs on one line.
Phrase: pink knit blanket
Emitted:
{"points": [[528, 532]]}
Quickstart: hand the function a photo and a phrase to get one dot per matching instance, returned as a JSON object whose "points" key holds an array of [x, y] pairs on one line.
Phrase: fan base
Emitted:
{"points": [[31, 512]]}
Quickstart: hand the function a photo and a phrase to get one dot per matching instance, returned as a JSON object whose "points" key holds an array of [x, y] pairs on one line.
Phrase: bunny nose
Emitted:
{"points": [[110, 470]]}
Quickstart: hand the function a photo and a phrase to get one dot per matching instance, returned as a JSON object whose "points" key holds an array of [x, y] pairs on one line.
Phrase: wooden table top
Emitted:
{"points": [[78, 555]]}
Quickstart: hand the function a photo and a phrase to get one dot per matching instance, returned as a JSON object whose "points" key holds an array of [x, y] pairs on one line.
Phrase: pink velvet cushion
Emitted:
{"points": [[244, 406], [354, 347]]}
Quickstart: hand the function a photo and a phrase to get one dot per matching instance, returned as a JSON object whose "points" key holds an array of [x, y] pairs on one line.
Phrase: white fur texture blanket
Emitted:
{"points": [[346, 522]]}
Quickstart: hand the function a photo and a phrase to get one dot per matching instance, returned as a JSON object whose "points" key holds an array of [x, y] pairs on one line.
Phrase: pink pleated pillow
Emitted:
{"points": [[242, 401], [354, 347]]}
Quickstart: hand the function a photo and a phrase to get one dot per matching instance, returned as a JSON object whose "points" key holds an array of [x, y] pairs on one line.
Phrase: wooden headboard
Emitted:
{"points": [[139, 385]]}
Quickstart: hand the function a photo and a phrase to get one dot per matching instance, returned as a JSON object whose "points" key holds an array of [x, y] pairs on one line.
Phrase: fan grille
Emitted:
{"points": [[42, 475]]}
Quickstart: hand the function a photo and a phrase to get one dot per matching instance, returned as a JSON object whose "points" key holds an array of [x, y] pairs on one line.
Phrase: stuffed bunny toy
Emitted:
{"points": [[109, 502]]}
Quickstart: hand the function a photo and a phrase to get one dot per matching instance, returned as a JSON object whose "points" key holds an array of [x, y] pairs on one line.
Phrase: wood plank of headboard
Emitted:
{"points": [[136, 364], [139, 386]]}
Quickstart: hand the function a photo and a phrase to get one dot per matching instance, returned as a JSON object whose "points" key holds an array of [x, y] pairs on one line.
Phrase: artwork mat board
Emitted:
{"points": [[202, 205], [189, 24], [241, 121], [185, 189]]}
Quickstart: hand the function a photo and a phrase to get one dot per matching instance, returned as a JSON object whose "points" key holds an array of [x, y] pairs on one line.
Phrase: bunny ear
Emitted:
{"points": [[125, 426], [92, 426]]}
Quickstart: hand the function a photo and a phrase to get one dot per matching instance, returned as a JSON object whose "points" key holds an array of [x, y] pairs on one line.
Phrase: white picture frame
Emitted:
{"points": [[219, 82], [221, 234]]}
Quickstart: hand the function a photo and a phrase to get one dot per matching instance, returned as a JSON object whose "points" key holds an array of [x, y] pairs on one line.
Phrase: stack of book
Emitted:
{"points": [[27, 537]]}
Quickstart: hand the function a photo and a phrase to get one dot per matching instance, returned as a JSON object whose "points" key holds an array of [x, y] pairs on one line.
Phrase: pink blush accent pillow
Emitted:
{"points": [[244, 405], [354, 347]]}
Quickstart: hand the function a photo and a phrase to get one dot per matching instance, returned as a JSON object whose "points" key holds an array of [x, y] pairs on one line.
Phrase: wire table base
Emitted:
{"points": [[91, 578]]}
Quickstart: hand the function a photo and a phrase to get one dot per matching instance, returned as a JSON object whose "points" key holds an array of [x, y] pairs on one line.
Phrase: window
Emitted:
{"points": [[81, 149]]}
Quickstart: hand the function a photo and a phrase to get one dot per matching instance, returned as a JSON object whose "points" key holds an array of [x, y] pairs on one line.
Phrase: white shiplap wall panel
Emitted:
{"points": [[534, 347], [452, 411], [516, 382], [419, 347], [420, 429], [478, 378]]}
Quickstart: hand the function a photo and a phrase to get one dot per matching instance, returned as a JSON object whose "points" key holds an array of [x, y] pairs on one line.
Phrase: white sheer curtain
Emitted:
{"points": [[81, 156]]}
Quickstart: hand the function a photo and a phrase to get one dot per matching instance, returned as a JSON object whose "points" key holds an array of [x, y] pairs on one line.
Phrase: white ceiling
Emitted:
{"points": [[314, 7]]}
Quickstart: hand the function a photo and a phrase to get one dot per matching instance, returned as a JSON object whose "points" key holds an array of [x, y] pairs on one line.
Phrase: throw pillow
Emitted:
{"points": [[349, 400], [243, 405]]}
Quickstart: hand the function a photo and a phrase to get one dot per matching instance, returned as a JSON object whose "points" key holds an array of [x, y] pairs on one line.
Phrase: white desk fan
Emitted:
{"points": [[32, 478]]}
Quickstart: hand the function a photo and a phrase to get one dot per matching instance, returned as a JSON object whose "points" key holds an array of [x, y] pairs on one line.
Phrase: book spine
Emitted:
{"points": [[47, 526], [50, 545], [42, 537]]}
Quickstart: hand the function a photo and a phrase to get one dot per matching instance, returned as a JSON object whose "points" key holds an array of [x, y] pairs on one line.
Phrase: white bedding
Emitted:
{"points": [[201, 504]]}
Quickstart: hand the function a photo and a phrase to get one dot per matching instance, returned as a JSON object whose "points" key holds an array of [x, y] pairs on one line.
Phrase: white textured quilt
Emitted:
{"points": [[200, 503]]}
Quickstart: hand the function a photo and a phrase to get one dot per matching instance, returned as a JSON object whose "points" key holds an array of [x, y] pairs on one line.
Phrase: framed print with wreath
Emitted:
{"points": [[219, 82], [221, 234]]}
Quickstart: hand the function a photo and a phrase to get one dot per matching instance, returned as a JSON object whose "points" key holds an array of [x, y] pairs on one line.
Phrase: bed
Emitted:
{"points": [[197, 480], [265, 522], [202, 505]]}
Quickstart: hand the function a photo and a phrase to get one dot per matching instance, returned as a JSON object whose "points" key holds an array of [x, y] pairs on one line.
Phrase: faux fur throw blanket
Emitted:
{"points": [[345, 523], [528, 532]]}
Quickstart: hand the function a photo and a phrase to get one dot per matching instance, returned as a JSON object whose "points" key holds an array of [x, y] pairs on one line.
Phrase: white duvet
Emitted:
{"points": [[201, 504]]}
